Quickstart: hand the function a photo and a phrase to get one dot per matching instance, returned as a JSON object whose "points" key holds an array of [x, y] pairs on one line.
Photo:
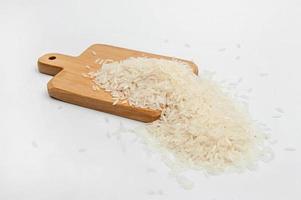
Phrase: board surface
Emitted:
{"points": [[70, 86]]}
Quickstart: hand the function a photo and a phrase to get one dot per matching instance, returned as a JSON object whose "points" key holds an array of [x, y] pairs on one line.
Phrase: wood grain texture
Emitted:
{"points": [[70, 86]]}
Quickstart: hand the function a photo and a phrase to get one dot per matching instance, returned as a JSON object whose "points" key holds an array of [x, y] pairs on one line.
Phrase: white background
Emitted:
{"points": [[54, 150]]}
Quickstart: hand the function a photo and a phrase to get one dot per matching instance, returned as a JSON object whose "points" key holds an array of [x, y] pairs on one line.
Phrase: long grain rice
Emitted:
{"points": [[199, 124]]}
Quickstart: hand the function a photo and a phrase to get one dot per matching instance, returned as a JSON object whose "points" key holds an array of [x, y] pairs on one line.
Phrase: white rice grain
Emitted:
{"points": [[199, 124], [279, 110], [97, 60], [184, 182], [263, 74], [289, 149]]}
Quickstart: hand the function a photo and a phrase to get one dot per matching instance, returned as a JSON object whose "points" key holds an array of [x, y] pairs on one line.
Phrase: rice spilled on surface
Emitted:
{"points": [[200, 125]]}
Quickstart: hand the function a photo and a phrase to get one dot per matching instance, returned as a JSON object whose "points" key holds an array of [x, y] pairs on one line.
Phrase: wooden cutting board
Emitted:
{"points": [[70, 86]]}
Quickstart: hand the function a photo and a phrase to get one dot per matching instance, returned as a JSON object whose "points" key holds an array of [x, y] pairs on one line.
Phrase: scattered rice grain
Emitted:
{"points": [[34, 144], [85, 75], [279, 110], [82, 150], [151, 192], [184, 182], [289, 149], [93, 53], [97, 60], [263, 74]]}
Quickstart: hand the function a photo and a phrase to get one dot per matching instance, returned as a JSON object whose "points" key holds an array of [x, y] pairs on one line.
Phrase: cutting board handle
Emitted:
{"points": [[53, 63]]}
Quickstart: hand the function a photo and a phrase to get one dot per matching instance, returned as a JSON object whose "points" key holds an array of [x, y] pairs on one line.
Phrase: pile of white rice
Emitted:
{"points": [[200, 125]]}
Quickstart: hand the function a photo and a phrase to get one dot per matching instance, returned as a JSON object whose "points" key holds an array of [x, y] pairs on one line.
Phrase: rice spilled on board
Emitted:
{"points": [[200, 125]]}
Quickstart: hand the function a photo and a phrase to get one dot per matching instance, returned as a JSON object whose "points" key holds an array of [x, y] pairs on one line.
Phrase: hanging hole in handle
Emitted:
{"points": [[52, 58]]}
